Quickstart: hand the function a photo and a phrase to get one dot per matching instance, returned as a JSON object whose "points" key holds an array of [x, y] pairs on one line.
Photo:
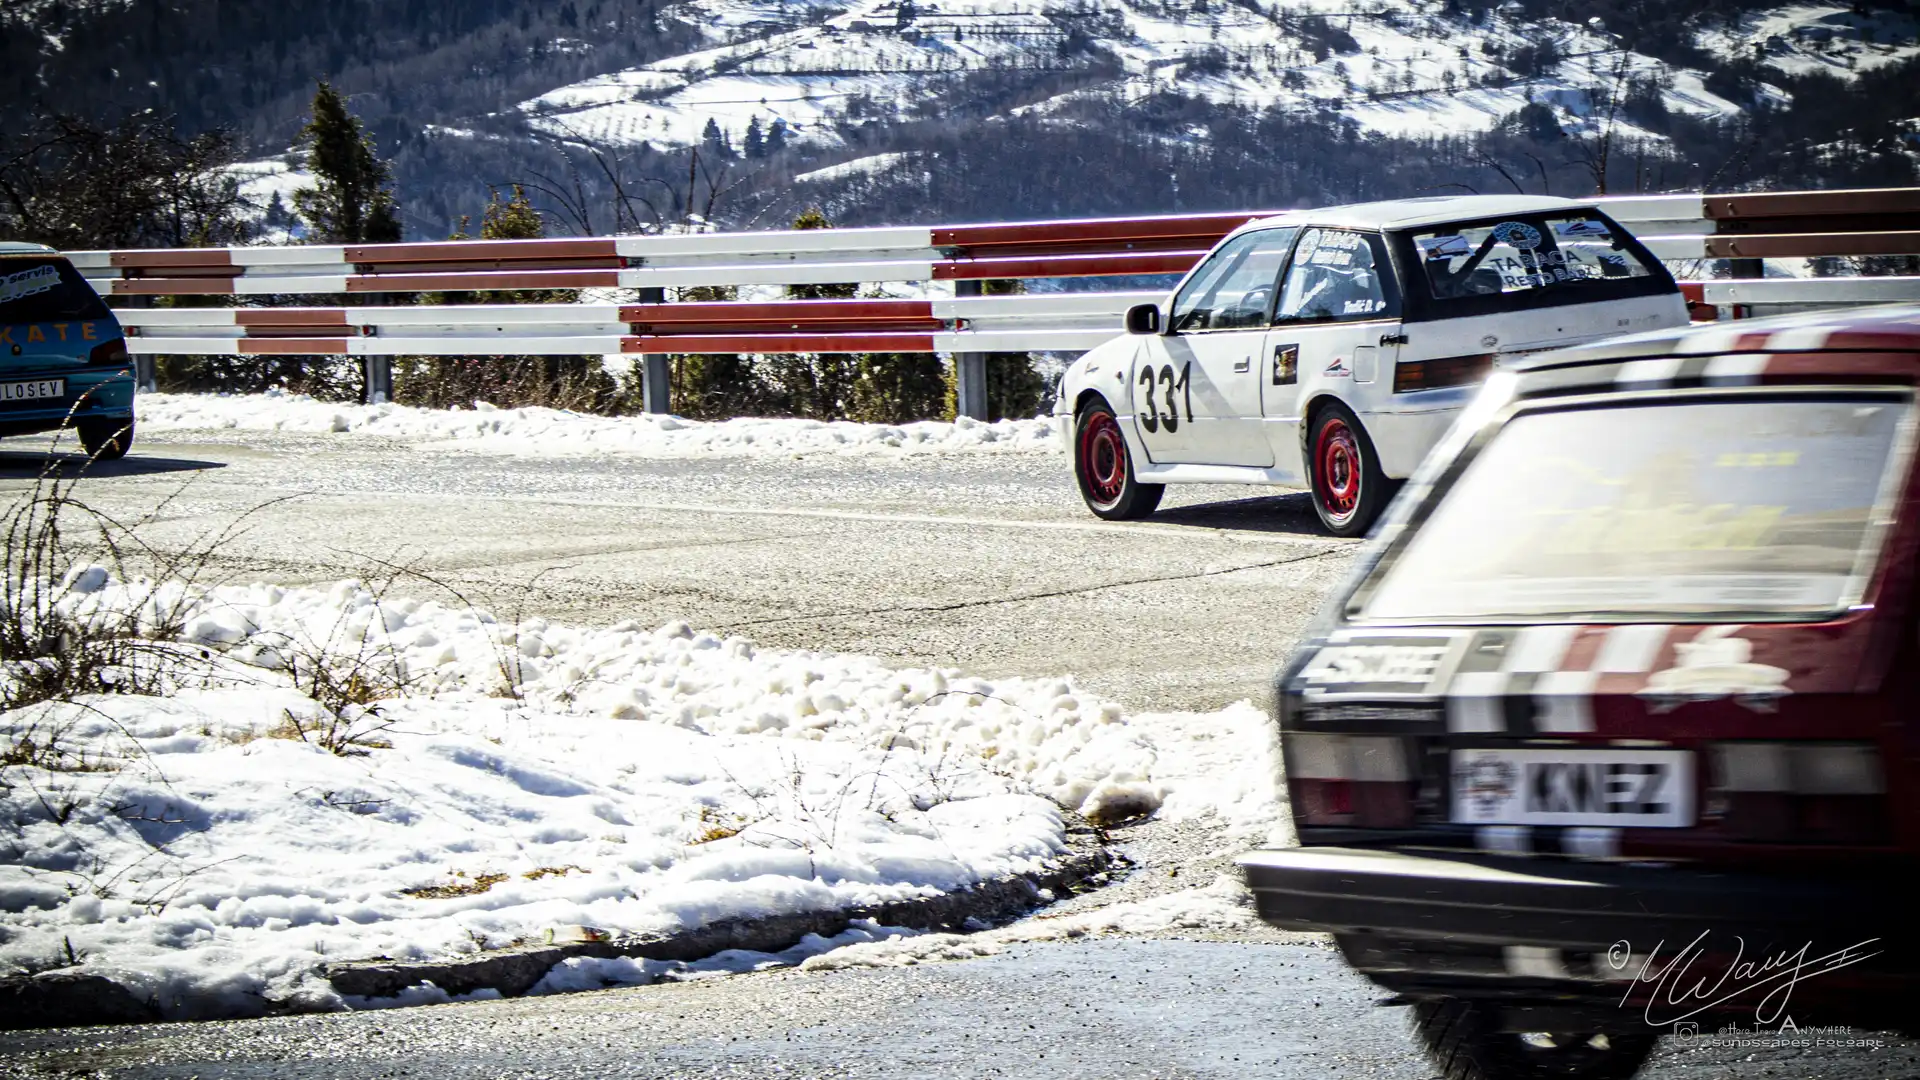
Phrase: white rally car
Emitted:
{"points": [[1330, 349]]}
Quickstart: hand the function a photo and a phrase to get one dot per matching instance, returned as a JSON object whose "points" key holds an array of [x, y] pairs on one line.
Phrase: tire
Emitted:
{"points": [[1464, 1042], [1349, 490], [106, 440], [1104, 469]]}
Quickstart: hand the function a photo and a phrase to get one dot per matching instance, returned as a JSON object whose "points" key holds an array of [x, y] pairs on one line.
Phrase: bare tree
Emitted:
{"points": [[73, 183], [640, 204], [1594, 152]]}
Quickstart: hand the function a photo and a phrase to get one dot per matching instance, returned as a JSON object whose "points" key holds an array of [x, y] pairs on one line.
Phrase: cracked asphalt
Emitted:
{"points": [[987, 563]]}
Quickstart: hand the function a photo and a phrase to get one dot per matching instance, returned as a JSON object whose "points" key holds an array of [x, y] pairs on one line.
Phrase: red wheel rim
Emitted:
{"points": [[1336, 469], [1103, 459]]}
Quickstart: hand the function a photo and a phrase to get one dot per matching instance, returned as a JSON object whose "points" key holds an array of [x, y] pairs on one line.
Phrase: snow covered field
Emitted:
{"points": [[552, 432], [338, 774], [1399, 68]]}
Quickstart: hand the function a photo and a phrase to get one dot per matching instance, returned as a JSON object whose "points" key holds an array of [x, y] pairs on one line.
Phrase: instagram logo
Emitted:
{"points": [[1686, 1030]]}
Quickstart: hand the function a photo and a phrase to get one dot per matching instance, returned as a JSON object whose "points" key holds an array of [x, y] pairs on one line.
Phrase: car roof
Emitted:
{"points": [[14, 247], [1892, 327], [1881, 342], [1407, 213]]}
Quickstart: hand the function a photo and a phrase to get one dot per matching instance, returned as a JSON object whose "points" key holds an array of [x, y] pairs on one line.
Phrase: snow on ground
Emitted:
{"points": [[861, 166], [260, 181], [550, 432], [1222, 905], [499, 783], [1804, 39]]}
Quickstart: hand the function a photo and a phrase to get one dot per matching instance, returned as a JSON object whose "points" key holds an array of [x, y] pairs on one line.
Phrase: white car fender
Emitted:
{"points": [[1102, 370]]}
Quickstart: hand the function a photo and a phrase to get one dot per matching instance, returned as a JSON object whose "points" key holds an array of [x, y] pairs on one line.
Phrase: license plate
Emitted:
{"points": [[1551, 786], [36, 390]]}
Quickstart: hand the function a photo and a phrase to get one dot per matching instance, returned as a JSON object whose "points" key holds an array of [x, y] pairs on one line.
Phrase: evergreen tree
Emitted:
{"points": [[816, 385], [563, 382], [754, 144], [776, 137], [714, 141], [351, 201]]}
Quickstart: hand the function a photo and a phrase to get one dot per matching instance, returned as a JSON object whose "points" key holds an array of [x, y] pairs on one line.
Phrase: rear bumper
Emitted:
{"points": [[103, 392], [1491, 926], [1506, 900]]}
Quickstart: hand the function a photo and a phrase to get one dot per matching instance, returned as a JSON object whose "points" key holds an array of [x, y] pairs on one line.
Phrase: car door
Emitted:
{"points": [[1196, 387], [1334, 328]]}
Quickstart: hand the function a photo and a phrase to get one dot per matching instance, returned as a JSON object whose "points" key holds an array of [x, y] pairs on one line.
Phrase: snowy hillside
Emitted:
{"points": [[1405, 68]]}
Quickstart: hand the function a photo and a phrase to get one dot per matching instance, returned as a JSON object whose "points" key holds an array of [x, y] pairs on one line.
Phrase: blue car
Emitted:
{"points": [[63, 357]]}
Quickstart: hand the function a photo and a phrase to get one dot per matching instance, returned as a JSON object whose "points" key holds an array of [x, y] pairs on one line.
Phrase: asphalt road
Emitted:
{"points": [[991, 564], [1118, 1009], [987, 563]]}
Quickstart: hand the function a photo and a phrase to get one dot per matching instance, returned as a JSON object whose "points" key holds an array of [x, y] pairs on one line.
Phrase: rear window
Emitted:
{"points": [[1553, 252], [38, 290], [1761, 507]]}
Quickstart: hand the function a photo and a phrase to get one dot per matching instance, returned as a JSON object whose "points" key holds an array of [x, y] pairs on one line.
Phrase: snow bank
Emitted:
{"points": [[504, 782], [1224, 904], [554, 432]]}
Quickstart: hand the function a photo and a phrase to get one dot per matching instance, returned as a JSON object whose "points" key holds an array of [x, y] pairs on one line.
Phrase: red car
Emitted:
{"points": [[1614, 731]]}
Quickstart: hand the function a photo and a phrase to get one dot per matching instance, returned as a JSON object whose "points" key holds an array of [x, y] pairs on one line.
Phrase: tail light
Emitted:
{"points": [[109, 353], [1798, 793], [1361, 781], [1410, 375]]}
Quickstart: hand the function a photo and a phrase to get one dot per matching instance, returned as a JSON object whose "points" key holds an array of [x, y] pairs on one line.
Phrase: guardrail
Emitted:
{"points": [[1742, 229]]}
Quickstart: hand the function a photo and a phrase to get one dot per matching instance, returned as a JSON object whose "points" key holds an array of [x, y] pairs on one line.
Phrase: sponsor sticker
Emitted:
{"points": [[1517, 234], [1582, 227], [1445, 247], [29, 283], [1286, 364], [1338, 369]]}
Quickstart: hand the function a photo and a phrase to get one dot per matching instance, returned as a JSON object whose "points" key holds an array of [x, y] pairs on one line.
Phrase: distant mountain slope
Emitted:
{"points": [[890, 109]]}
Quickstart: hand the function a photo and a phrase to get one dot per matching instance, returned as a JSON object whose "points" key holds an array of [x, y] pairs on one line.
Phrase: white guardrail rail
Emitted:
{"points": [[1692, 232]]}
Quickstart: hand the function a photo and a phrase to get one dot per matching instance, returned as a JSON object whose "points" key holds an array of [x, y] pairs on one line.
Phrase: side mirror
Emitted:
{"points": [[1143, 319]]}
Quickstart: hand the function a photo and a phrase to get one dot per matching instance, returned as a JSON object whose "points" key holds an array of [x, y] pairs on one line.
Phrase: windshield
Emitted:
{"points": [[1759, 506], [37, 290], [1559, 252]]}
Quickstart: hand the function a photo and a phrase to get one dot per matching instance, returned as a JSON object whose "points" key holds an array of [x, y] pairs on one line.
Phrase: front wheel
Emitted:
{"points": [[106, 440], [1349, 490], [1105, 470], [1465, 1042]]}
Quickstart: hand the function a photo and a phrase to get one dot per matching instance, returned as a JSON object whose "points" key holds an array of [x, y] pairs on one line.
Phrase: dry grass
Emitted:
{"points": [[712, 826], [539, 872], [337, 736], [463, 886]]}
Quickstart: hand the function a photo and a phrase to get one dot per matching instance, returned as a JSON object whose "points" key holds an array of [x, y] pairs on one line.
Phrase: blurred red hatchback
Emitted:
{"points": [[1614, 731]]}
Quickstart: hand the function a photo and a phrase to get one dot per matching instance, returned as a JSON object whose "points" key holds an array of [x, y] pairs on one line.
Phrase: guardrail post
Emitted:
{"points": [[144, 379], [656, 378], [969, 369], [379, 379]]}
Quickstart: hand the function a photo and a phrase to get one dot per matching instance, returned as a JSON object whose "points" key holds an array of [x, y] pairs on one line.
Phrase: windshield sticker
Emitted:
{"points": [[1517, 234], [1713, 666], [1331, 257], [1445, 247], [29, 283], [1582, 227], [1345, 241], [1363, 307]]}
